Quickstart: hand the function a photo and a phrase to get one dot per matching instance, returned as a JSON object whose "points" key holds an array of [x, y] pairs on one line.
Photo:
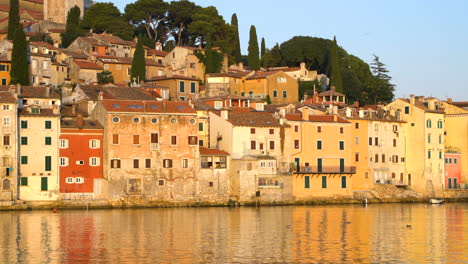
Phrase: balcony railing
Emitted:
{"points": [[326, 169]]}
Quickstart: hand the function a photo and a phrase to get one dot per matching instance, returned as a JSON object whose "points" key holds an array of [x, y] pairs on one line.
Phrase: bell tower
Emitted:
{"points": [[57, 10]]}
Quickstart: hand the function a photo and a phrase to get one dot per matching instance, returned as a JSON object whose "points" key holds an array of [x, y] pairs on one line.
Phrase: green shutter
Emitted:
{"points": [[48, 141], [192, 87], [24, 140], [343, 182], [307, 182], [324, 182], [182, 87], [24, 159], [319, 144], [48, 124], [48, 163], [341, 145], [200, 126], [429, 154], [24, 124], [341, 165], [44, 185], [440, 154], [319, 165], [406, 109], [24, 181]]}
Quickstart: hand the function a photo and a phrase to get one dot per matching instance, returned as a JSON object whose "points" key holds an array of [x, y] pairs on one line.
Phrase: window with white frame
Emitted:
{"points": [[6, 121], [94, 143], [6, 107], [69, 180], [262, 164], [63, 161], [79, 180], [218, 105], [63, 143], [94, 161], [281, 79]]}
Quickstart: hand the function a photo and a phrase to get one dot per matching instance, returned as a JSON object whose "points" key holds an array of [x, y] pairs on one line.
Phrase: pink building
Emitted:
{"points": [[452, 170]]}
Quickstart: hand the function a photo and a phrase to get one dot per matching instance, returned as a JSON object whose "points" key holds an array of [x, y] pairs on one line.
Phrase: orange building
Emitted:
{"points": [[5, 68], [453, 169]]}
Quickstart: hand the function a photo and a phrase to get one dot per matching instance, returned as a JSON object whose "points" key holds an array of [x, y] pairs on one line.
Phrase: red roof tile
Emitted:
{"points": [[212, 152], [317, 118], [160, 53], [87, 65], [177, 77], [252, 119]]}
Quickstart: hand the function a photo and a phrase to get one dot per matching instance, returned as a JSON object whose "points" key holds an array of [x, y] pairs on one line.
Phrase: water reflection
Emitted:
{"points": [[332, 234]]}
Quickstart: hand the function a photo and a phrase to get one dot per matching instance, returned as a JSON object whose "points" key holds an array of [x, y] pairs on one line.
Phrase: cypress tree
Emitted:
{"points": [[13, 19], [72, 28], [253, 57], [335, 68], [138, 63], [19, 60], [236, 51], [262, 49]]}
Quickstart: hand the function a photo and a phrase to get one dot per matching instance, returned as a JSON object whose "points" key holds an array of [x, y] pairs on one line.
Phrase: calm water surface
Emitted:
{"points": [[394, 233]]}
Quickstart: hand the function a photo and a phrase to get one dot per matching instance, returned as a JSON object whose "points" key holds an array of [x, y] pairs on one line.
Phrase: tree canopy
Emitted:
{"points": [[147, 13], [19, 59], [72, 28], [138, 72], [105, 17], [105, 77], [13, 19], [335, 75], [253, 56]]}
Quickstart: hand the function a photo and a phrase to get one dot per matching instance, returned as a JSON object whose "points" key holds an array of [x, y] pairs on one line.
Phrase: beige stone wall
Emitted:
{"points": [[8, 153], [57, 10]]}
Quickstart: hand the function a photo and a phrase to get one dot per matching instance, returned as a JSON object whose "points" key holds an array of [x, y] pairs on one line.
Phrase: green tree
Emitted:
{"points": [[13, 19], [148, 13], [105, 77], [335, 77], [381, 87], [262, 49], [105, 17], [236, 50], [19, 59], [268, 99], [212, 59], [180, 16], [170, 45], [42, 37], [72, 28], [138, 63], [308, 87], [272, 58], [253, 57]]}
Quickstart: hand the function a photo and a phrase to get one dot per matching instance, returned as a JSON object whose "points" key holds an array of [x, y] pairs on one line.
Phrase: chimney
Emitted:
{"points": [[449, 100], [101, 96], [282, 112], [225, 114], [158, 46], [302, 66], [349, 112], [56, 44], [431, 104], [333, 88], [335, 118], [305, 114], [80, 121], [241, 66], [281, 121], [361, 113], [412, 99], [74, 109], [18, 89]]}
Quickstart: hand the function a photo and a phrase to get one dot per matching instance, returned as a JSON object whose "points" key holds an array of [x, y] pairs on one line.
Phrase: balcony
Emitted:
{"points": [[326, 170]]}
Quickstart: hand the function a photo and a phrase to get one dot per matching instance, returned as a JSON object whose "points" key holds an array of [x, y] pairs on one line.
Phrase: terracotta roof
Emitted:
{"points": [[43, 44], [160, 53], [229, 74], [261, 74], [212, 152], [176, 77], [291, 69], [34, 92], [135, 106], [87, 65], [421, 105], [317, 118], [35, 14], [7, 98], [239, 117], [87, 124], [460, 104], [222, 98], [150, 62], [74, 54], [36, 1], [67, 111], [115, 40], [115, 92], [115, 60], [94, 41]]}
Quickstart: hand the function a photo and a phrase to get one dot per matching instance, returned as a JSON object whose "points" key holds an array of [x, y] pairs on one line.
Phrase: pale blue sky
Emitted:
{"points": [[424, 43]]}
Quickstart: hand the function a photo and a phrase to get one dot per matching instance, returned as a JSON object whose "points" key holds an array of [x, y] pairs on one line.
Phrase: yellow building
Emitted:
{"points": [[322, 153], [424, 143], [5, 68]]}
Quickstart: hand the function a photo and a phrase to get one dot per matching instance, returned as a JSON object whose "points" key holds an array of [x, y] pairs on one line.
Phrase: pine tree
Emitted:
{"points": [[19, 60], [13, 19], [236, 51], [253, 57], [138, 64], [72, 29], [381, 87], [335, 68], [212, 59]]}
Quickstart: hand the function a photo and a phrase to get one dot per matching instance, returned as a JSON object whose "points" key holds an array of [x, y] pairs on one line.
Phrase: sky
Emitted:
{"points": [[424, 43]]}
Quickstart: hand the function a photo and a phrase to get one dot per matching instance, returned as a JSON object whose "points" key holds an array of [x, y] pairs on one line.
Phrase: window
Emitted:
{"points": [[429, 154], [285, 94], [296, 128], [4, 81], [79, 180], [376, 158], [356, 140], [341, 130], [307, 182], [63, 143], [429, 138], [440, 154], [281, 79], [343, 182], [136, 163], [48, 140], [192, 140], [6, 121], [24, 159], [253, 145], [319, 129], [161, 182], [4, 67], [200, 126], [115, 139], [319, 144], [272, 131], [454, 161], [154, 120], [94, 161], [428, 123], [45, 65], [296, 144], [356, 125], [182, 87], [24, 140], [44, 184], [406, 109], [24, 181], [272, 145], [324, 182], [394, 142], [136, 120], [173, 140], [356, 157], [167, 163], [48, 124], [184, 163], [136, 139], [79, 162], [6, 140], [275, 94], [24, 124], [222, 164], [260, 146], [35, 110], [192, 87], [115, 119], [129, 71], [370, 141], [94, 143], [148, 163], [63, 161], [154, 138], [341, 145], [115, 164], [173, 120], [376, 141], [252, 131], [439, 124], [383, 158], [200, 143], [69, 180], [440, 139]]}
